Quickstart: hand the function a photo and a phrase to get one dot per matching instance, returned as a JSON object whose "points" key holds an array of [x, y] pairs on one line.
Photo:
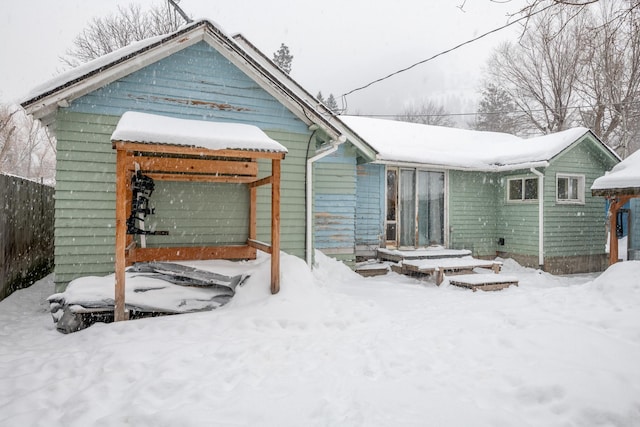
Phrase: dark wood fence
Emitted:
{"points": [[26, 233]]}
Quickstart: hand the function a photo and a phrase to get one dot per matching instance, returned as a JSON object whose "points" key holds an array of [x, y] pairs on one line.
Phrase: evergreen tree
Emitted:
{"points": [[320, 97], [497, 111], [331, 103], [283, 58]]}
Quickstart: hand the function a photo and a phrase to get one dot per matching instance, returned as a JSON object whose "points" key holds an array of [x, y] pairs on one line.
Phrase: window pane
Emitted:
{"points": [[407, 208], [515, 189], [430, 208], [563, 191], [392, 195], [531, 189], [573, 189], [391, 231]]}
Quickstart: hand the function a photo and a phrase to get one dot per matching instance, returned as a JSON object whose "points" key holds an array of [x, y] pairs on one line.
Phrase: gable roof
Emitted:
{"points": [[462, 149], [42, 101], [624, 178]]}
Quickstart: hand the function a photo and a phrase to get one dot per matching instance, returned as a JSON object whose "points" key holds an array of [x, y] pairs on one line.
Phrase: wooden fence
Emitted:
{"points": [[26, 232]]}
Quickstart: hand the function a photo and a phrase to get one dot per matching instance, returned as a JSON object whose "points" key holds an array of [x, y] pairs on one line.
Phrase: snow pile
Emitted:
{"points": [[625, 174], [334, 348], [152, 128]]}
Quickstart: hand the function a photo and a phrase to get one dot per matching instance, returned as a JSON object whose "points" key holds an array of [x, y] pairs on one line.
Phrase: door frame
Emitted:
{"points": [[390, 243]]}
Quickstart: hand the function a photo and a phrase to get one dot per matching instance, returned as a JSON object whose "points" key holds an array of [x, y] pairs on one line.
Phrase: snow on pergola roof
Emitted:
{"points": [[404, 142], [151, 128], [624, 175]]}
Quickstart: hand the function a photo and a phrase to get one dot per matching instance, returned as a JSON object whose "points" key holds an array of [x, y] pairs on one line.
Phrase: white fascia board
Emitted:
{"points": [[436, 167]]}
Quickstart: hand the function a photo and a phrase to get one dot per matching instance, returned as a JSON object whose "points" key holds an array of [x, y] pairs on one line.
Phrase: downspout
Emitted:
{"points": [[540, 176], [309, 197]]}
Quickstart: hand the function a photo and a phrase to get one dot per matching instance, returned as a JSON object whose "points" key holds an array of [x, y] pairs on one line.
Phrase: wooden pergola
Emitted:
{"points": [[169, 162]]}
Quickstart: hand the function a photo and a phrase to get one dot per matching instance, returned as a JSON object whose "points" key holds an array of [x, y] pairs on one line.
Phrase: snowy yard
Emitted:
{"points": [[335, 349]]}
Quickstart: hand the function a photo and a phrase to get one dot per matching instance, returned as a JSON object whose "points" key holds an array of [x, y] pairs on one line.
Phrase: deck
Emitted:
{"points": [[439, 262]]}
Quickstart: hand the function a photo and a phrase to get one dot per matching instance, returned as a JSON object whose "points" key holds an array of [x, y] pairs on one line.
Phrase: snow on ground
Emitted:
{"points": [[337, 349]]}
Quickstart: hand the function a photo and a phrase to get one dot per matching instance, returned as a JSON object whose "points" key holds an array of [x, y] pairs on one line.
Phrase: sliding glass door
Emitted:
{"points": [[415, 207]]}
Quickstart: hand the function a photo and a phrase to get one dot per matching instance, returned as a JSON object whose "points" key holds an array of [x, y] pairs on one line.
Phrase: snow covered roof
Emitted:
{"points": [[151, 128], [437, 146], [624, 175]]}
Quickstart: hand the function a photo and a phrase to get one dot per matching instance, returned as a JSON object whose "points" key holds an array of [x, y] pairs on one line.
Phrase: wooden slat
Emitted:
{"points": [[264, 247], [261, 182], [275, 226], [187, 253], [195, 151], [199, 178], [222, 167]]}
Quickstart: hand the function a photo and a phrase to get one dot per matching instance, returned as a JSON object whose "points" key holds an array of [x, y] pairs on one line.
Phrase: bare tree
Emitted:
{"points": [[26, 148], [540, 73], [106, 34], [427, 113], [610, 87]]}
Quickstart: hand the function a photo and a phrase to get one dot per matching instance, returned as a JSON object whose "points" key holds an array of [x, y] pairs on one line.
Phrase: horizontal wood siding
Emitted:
{"points": [[517, 222], [370, 205], [472, 212], [575, 229], [335, 203], [196, 83]]}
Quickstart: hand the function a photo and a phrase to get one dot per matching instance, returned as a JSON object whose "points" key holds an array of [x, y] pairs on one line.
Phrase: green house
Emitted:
{"points": [[197, 73], [494, 194]]}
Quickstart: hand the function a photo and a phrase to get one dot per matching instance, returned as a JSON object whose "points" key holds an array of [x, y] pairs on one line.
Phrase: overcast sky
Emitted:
{"points": [[337, 45]]}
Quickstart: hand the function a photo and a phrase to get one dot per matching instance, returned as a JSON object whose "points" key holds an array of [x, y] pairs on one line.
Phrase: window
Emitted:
{"points": [[570, 188], [521, 189]]}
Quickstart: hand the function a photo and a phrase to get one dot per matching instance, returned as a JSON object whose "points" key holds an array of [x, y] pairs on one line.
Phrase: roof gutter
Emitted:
{"points": [[540, 176], [501, 168], [309, 197]]}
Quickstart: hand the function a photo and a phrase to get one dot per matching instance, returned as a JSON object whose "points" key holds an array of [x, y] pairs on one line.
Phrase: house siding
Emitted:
{"points": [[574, 229], [472, 212], [517, 222], [209, 88], [369, 208], [334, 189]]}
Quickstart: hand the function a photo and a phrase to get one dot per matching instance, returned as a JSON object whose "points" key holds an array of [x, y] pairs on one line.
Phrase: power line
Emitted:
{"points": [[534, 110], [526, 17]]}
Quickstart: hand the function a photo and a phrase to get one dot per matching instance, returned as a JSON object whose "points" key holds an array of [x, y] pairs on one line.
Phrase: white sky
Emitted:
{"points": [[337, 45]]}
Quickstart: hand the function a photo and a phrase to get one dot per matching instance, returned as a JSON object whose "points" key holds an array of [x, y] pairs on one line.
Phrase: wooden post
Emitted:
{"points": [[121, 233], [614, 207], [275, 226]]}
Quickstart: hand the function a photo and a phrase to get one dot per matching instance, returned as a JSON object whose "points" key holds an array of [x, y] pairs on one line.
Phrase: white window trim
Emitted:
{"points": [[581, 189], [522, 178]]}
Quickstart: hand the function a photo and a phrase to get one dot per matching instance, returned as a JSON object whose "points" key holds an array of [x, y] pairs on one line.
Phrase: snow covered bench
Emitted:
{"points": [[448, 265], [485, 282]]}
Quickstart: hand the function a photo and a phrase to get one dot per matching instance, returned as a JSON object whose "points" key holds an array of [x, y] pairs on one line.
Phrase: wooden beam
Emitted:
{"points": [[187, 253], [195, 151], [261, 182], [159, 176], [121, 234], [275, 226], [615, 204], [186, 165], [264, 247]]}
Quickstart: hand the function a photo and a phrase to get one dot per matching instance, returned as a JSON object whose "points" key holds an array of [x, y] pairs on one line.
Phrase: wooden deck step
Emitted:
{"points": [[372, 268], [484, 281], [395, 255]]}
